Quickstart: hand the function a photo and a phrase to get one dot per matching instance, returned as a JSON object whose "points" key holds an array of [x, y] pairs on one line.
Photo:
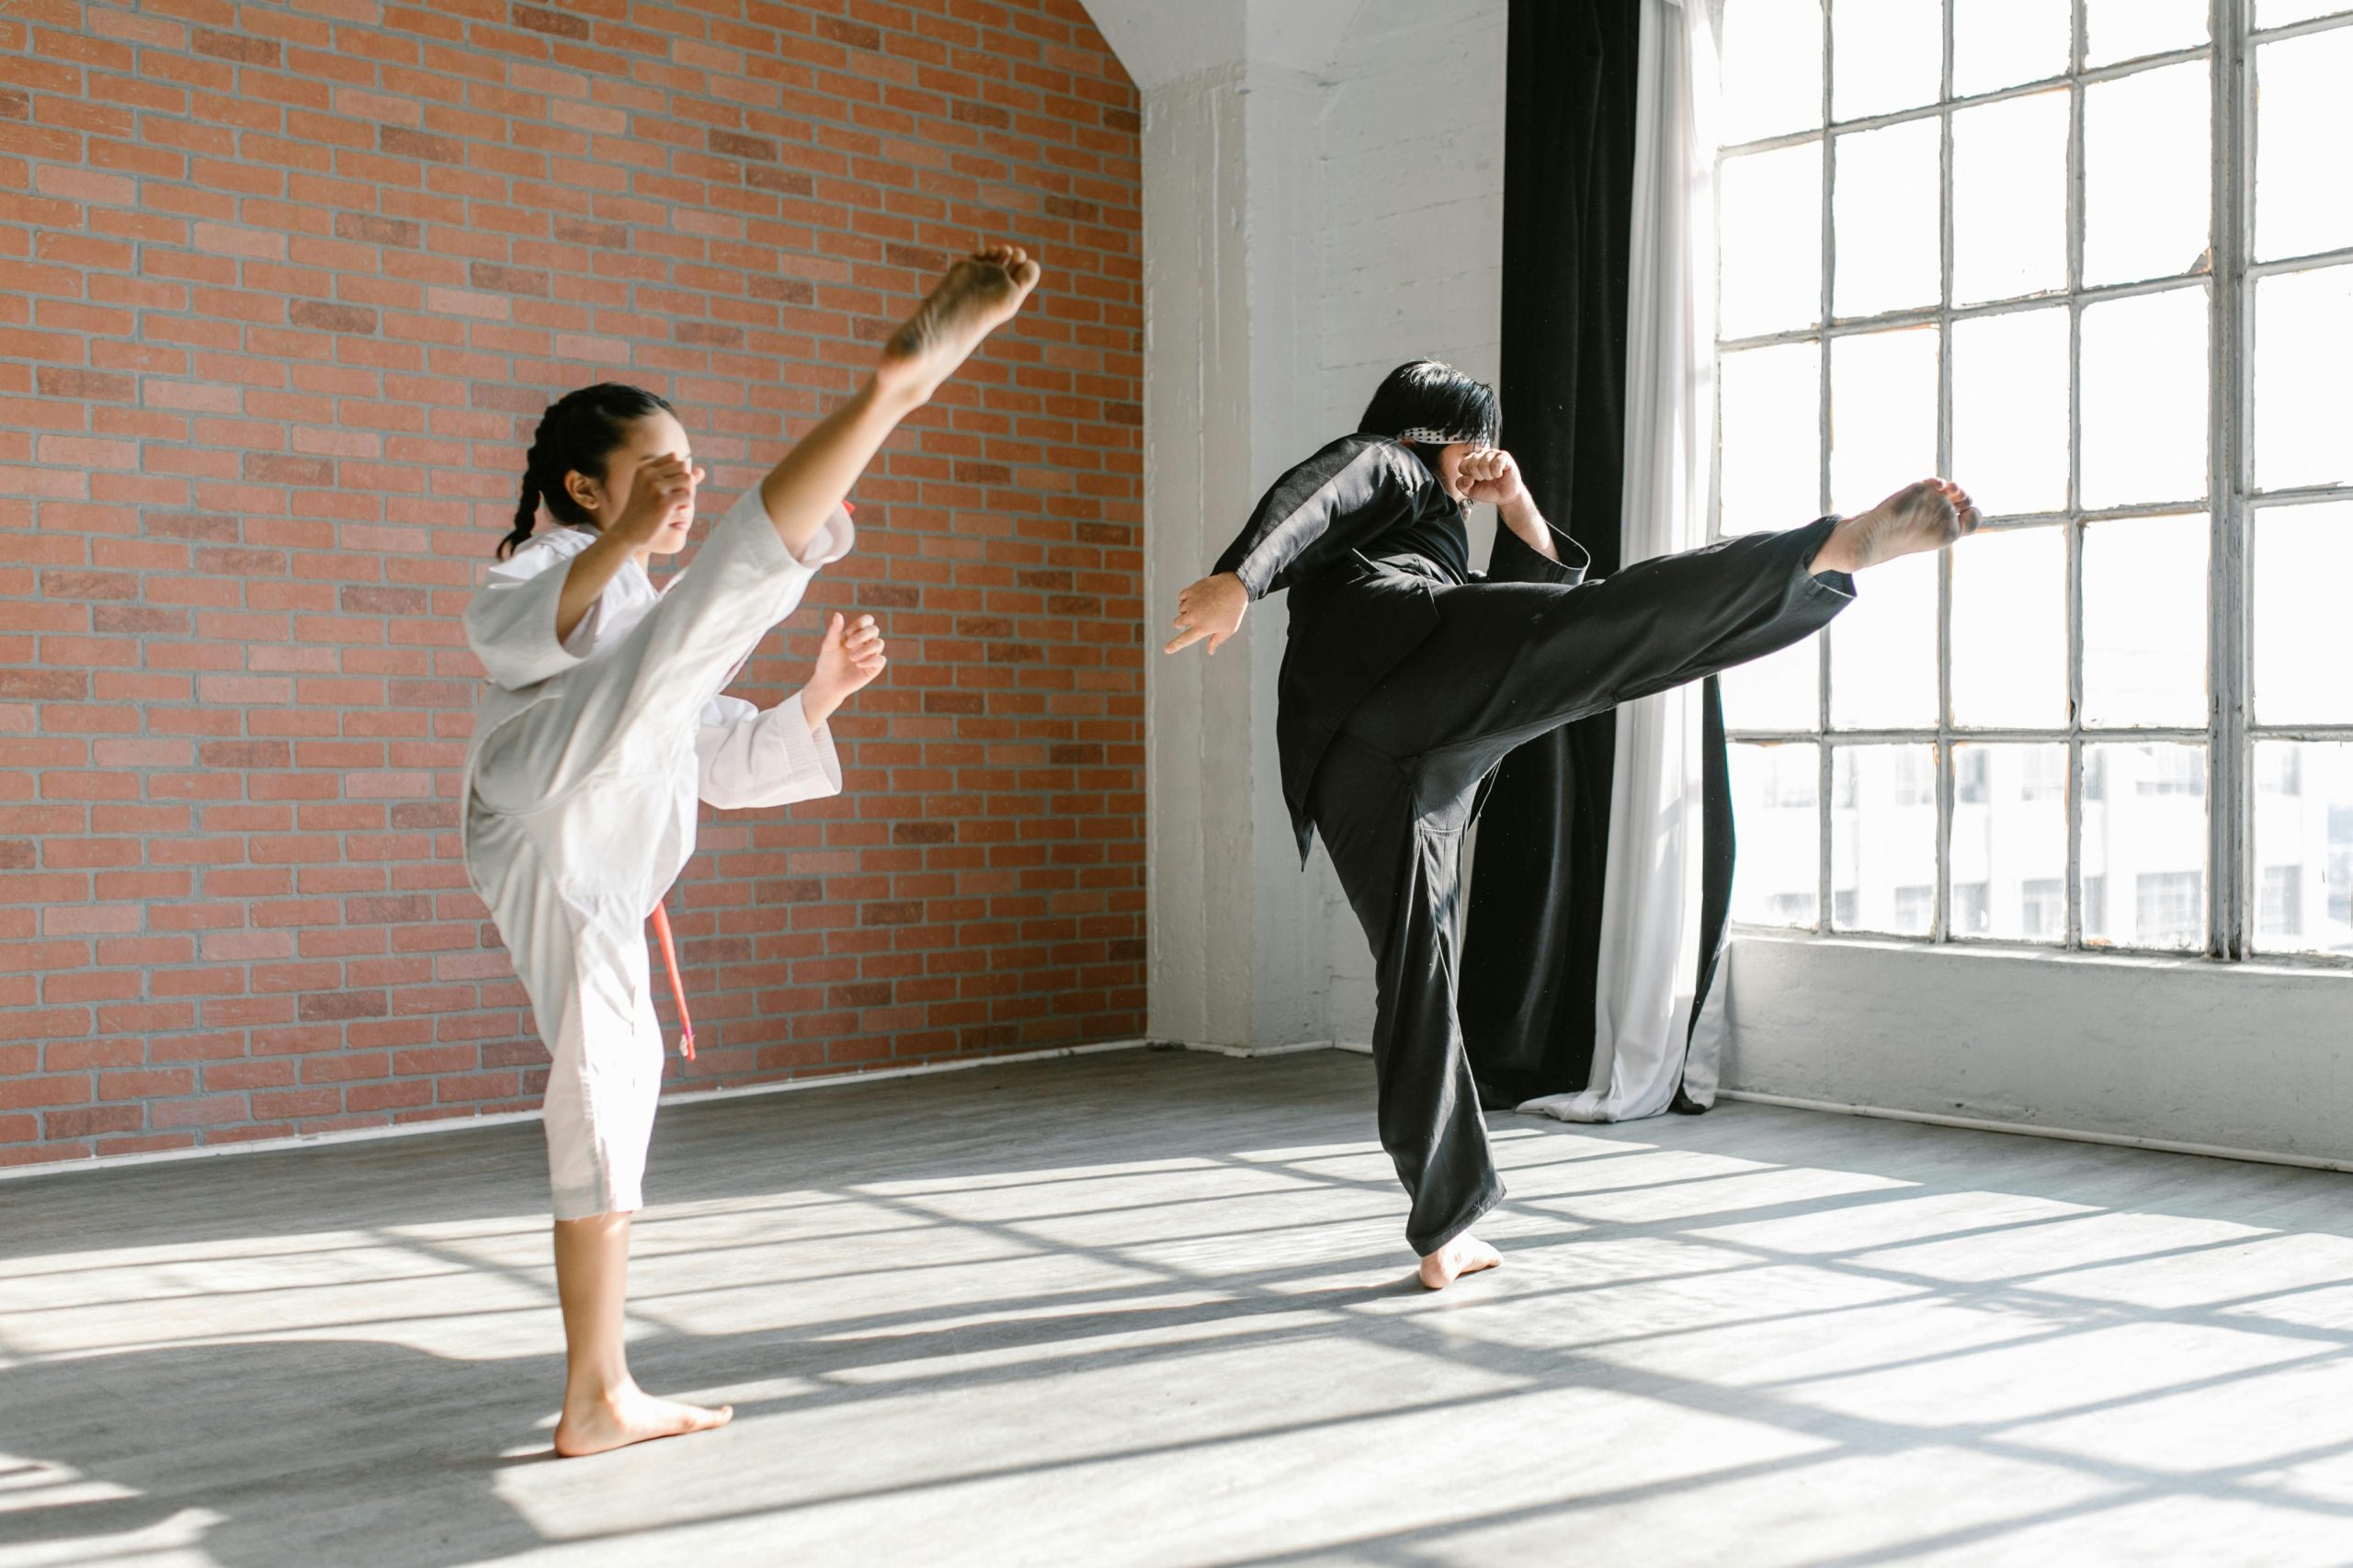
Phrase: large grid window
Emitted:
{"points": [[2093, 259]]}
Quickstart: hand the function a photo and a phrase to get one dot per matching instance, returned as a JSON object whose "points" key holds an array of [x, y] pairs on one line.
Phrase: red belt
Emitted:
{"points": [[670, 958], [677, 986]]}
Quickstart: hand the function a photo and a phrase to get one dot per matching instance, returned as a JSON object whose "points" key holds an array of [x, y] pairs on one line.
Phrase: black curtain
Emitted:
{"points": [[1528, 982]]}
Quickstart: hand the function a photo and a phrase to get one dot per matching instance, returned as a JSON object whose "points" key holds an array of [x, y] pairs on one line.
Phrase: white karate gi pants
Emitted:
{"points": [[580, 813]]}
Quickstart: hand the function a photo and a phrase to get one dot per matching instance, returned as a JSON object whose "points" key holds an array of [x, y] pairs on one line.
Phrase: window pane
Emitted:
{"points": [[2303, 846], [2144, 399], [2146, 172], [2144, 843], [2304, 559], [2000, 44], [1885, 55], [2304, 378], [2009, 411], [1772, 439], [1780, 691], [2009, 629], [1772, 69], [1883, 415], [1883, 651], [2009, 843], [2303, 122], [1771, 241], [2127, 30], [1883, 838], [2280, 13], [2145, 620], [2010, 198], [1777, 876], [1886, 217]]}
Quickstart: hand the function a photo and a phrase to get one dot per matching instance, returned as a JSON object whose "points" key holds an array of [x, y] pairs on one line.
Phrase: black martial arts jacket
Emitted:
{"points": [[1363, 536]]}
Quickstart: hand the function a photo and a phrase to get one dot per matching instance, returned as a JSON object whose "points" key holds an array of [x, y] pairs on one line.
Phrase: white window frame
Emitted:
{"points": [[2233, 895]]}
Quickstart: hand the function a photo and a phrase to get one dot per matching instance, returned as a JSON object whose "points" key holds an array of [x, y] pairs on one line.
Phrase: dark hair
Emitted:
{"points": [[577, 434], [1426, 396]]}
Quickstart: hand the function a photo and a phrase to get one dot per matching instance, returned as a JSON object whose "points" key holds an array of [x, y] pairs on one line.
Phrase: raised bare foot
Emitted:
{"points": [[1928, 514], [632, 1415], [1466, 1254], [979, 293]]}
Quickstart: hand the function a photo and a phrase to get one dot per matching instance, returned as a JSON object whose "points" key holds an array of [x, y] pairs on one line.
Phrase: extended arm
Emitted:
{"points": [[1344, 496]]}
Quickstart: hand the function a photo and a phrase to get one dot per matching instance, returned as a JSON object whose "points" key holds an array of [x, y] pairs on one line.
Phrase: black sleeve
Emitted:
{"points": [[1511, 561], [1339, 499]]}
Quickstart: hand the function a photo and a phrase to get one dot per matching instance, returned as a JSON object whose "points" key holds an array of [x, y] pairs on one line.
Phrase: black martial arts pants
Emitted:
{"points": [[1394, 794]]}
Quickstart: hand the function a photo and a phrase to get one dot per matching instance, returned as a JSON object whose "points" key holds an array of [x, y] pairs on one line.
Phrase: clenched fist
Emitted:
{"points": [[848, 662]]}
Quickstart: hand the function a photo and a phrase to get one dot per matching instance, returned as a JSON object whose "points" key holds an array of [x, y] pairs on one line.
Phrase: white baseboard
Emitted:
{"points": [[2030, 1130], [1294, 1049], [501, 1118]]}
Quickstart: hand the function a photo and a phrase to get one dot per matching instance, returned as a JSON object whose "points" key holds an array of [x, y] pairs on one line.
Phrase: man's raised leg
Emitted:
{"points": [[1928, 514]]}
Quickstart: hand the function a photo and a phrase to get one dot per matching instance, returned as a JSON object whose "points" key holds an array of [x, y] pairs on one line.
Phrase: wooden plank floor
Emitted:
{"points": [[1153, 1308]]}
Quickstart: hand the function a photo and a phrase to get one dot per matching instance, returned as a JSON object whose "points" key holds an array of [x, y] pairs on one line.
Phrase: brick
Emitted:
{"points": [[272, 467], [730, 144], [52, 686], [367, 229], [557, 24], [858, 35], [93, 1121], [401, 142], [56, 380], [321, 316], [239, 47], [342, 1005]]}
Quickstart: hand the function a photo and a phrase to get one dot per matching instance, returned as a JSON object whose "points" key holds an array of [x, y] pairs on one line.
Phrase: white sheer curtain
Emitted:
{"points": [[1650, 924]]}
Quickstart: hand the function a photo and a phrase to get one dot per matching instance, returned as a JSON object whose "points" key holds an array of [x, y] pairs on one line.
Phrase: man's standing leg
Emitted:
{"points": [[1400, 862]]}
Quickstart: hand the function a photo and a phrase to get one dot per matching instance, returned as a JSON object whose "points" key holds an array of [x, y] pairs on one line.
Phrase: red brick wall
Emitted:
{"points": [[286, 286]]}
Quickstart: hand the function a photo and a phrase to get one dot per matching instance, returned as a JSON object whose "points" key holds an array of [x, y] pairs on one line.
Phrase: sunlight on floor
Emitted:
{"points": [[1764, 1337]]}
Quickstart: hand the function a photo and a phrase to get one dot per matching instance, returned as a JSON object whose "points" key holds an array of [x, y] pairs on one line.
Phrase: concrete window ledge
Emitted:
{"points": [[2251, 1060]]}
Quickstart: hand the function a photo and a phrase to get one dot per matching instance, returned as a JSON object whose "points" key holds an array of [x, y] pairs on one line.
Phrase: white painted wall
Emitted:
{"points": [[1323, 198]]}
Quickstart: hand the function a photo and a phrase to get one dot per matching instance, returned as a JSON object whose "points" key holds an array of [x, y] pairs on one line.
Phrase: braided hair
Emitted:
{"points": [[577, 434]]}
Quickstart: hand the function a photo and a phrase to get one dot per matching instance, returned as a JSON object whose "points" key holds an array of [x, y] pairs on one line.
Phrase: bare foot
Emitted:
{"points": [[979, 293], [1466, 1254], [631, 1415], [1928, 514]]}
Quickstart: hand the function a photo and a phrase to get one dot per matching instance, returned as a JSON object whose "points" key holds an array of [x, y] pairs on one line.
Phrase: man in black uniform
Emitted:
{"points": [[1408, 678]]}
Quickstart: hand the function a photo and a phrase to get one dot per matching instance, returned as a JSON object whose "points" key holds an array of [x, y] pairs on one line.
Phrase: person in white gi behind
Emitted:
{"points": [[603, 726]]}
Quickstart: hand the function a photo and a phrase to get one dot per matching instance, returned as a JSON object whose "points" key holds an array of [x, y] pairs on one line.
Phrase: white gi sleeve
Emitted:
{"points": [[752, 758], [835, 538], [510, 622]]}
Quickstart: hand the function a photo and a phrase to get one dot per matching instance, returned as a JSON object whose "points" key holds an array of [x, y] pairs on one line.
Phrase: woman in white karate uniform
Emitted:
{"points": [[604, 725]]}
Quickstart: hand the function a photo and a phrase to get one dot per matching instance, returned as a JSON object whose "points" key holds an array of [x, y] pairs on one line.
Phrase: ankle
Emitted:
{"points": [[1840, 552], [584, 1395], [898, 389]]}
